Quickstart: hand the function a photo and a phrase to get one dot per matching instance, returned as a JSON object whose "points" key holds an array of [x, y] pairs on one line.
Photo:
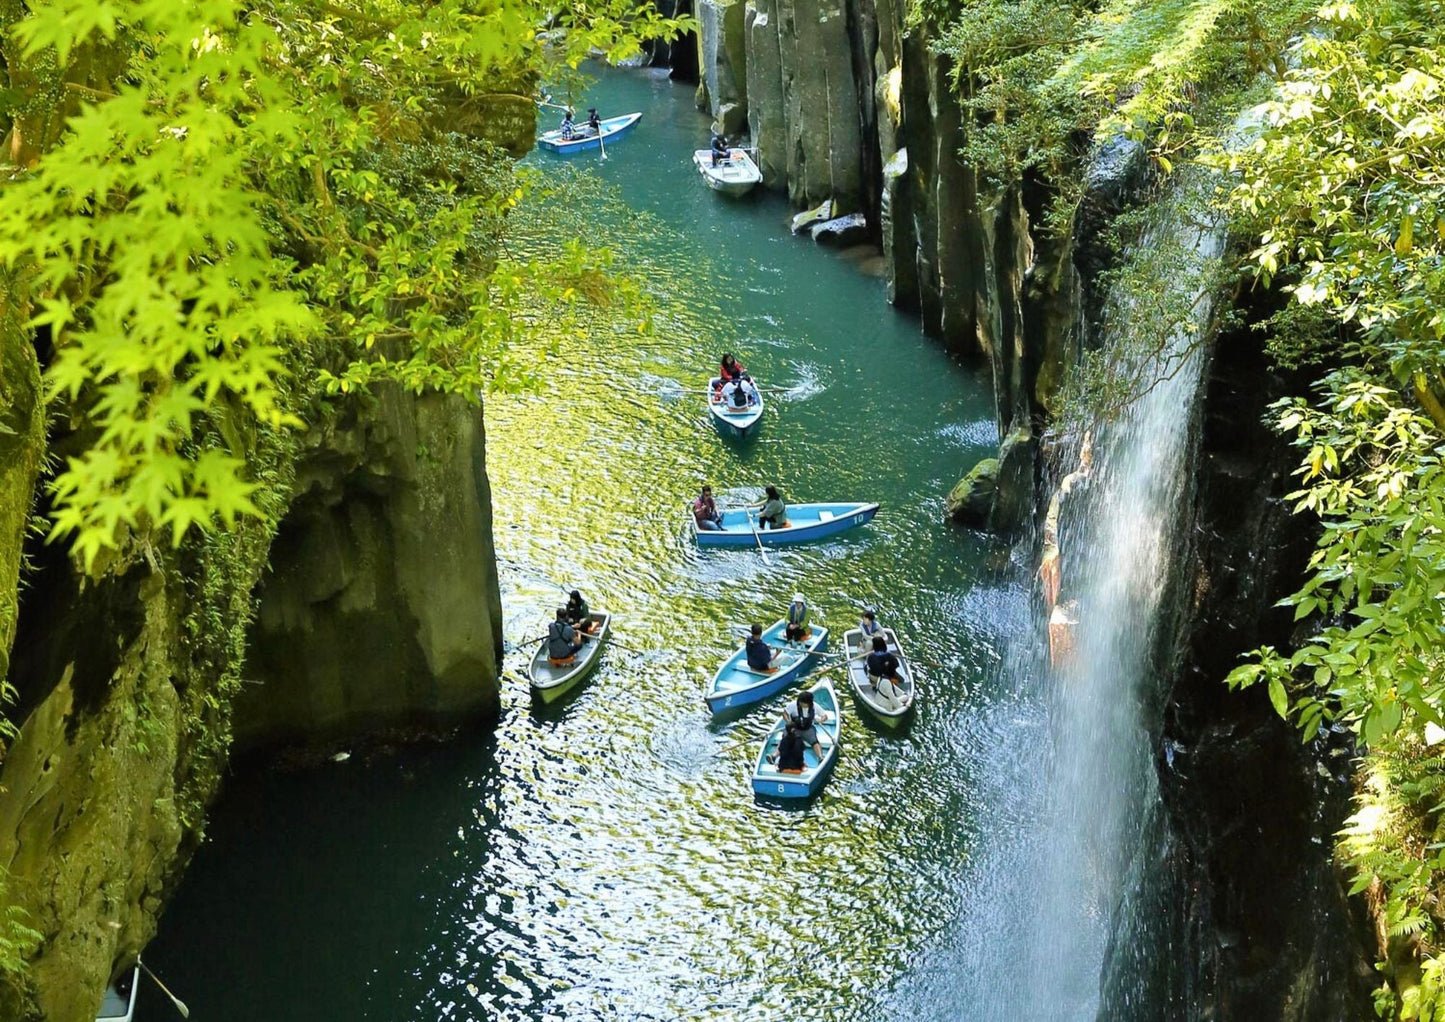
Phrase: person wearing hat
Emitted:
{"points": [[593, 121], [796, 630], [748, 388]]}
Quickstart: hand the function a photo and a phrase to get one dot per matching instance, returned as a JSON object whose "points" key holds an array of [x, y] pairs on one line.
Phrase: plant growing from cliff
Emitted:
{"points": [[1046, 83], [1345, 191], [208, 197], [17, 941]]}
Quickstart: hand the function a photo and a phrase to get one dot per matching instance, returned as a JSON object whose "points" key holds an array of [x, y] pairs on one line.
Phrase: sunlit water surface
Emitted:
{"points": [[605, 859]]}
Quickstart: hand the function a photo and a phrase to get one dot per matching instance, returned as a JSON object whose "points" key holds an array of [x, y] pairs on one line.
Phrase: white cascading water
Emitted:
{"points": [[1071, 787]]}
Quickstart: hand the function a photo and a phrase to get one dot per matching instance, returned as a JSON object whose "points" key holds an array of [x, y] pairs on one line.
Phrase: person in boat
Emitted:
{"points": [[803, 715], [705, 512], [885, 672], [773, 514], [796, 630], [593, 121], [760, 655], [563, 642], [735, 394], [579, 615], [789, 757], [748, 388], [729, 369], [569, 129], [868, 627], [719, 148]]}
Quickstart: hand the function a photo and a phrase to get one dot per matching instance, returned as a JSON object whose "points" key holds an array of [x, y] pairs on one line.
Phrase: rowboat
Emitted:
{"points": [[551, 681], [734, 175], [739, 526], [118, 1002], [867, 695], [732, 422], [583, 137], [736, 685], [771, 782]]}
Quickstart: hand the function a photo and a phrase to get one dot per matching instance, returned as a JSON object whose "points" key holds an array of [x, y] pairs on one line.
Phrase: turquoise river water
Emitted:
{"points": [[605, 859]]}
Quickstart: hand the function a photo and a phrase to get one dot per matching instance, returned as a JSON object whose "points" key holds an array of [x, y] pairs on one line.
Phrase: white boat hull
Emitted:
{"points": [[736, 175]]}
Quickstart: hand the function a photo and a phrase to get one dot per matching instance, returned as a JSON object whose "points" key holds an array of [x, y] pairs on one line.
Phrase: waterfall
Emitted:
{"points": [[1119, 555], [1060, 863]]}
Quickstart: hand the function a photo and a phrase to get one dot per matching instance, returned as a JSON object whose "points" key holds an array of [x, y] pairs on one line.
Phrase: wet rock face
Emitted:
{"points": [[841, 232], [382, 604], [1264, 916]]}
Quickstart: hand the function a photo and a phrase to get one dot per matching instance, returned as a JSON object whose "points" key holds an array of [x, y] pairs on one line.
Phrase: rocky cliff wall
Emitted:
{"points": [[381, 604], [127, 674], [1265, 930], [846, 102]]}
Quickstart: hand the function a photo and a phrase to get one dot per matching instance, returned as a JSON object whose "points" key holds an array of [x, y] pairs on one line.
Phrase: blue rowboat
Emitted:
{"points": [[735, 423], [805, 522], [583, 138], [736, 685], [891, 709], [770, 782], [550, 681]]}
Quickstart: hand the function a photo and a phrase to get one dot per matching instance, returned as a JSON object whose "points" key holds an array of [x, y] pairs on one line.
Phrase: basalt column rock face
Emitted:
{"points": [[381, 606], [125, 675], [723, 64], [804, 111]]}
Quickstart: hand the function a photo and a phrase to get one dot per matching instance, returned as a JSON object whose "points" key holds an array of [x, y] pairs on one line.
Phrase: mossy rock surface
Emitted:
{"points": [[971, 500]]}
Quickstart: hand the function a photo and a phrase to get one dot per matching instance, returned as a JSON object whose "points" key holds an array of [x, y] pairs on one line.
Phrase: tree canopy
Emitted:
{"points": [[223, 213]]}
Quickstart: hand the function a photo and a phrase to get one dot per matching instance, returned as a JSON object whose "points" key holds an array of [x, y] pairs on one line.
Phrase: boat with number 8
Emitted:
{"points": [[770, 782], [736, 684], [584, 138], [551, 679], [806, 522]]}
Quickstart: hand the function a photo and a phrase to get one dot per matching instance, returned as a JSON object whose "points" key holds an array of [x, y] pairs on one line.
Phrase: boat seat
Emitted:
{"points": [[825, 516], [761, 672], [562, 663]]}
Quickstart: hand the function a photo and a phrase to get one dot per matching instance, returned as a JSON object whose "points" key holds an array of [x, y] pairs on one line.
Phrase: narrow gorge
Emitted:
{"points": [[320, 388]]}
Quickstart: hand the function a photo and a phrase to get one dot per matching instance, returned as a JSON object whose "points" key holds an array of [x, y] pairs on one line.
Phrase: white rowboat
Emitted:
{"points": [[735, 175]]}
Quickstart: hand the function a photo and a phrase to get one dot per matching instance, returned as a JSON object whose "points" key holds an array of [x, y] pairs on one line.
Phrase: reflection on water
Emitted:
{"points": [[604, 858]]}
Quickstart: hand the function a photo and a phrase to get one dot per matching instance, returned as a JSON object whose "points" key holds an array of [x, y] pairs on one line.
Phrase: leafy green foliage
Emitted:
{"points": [[1343, 189], [300, 191], [1045, 82]]}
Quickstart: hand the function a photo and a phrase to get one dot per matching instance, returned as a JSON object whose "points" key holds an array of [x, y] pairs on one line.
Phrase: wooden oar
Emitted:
{"points": [[759, 541], [180, 1004], [600, 141], [925, 663]]}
